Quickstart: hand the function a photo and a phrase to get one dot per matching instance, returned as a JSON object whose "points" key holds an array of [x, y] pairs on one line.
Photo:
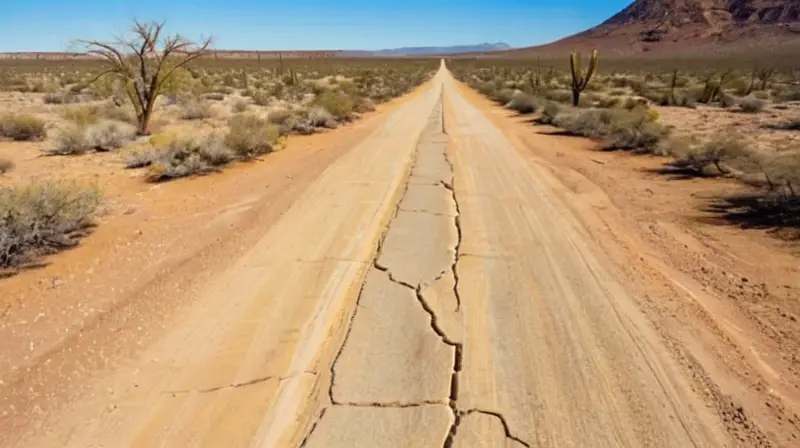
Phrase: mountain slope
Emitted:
{"points": [[690, 26]]}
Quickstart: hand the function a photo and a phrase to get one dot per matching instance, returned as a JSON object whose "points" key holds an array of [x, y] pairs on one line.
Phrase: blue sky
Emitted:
{"points": [[50, 25]]}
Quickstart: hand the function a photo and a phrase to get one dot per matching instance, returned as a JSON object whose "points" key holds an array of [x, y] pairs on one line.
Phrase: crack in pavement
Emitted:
{"points": [[252, 382], [218, 388], [503, 422], [393, 404], [428, 135]]}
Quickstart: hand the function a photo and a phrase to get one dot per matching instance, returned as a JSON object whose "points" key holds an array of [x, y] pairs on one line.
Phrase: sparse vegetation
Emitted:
{"points": [[22, 127], [42, 218], [144, 64], [6, 165]]}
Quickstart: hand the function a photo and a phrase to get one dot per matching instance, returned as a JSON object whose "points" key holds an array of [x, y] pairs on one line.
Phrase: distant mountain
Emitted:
{"points": [[688, 26], [419, 51]]}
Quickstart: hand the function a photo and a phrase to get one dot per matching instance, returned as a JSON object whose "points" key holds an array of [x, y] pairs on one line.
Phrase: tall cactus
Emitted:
{"points": [[579, 79]]}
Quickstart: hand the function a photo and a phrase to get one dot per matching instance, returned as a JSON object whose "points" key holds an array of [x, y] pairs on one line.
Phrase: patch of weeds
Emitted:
{"points": [[250, 136], [339, 104], [522, 102], [188, 157], [196, 110], [22, 127], [43, 218]]}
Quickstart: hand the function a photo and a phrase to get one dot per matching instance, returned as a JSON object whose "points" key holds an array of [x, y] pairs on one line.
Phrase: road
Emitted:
{"points": [[428, 289]]}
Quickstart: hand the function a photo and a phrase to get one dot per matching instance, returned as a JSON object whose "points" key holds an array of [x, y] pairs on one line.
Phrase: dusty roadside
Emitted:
{"points": [[726, 300], [91, 308]]}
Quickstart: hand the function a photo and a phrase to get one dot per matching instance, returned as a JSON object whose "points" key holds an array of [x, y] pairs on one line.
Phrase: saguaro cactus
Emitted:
{"points": [[579, 79]]}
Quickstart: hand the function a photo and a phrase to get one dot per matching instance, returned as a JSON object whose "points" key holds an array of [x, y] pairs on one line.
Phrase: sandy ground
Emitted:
{"points": [[439, 273]]}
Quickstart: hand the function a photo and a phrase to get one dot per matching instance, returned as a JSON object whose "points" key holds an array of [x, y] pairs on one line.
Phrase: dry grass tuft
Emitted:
{"points": [[22, 127], [41, 219]]}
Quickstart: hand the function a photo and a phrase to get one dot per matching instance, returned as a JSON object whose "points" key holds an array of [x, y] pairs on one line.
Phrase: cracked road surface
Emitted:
{"points": [[429, 289]]}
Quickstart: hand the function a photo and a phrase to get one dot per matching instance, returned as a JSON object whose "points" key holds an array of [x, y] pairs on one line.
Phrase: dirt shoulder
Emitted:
{"points": [[724, 298], [93, 307]]}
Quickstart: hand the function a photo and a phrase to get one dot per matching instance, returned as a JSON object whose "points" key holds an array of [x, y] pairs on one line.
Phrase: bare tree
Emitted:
{"points": [[143, 62]]}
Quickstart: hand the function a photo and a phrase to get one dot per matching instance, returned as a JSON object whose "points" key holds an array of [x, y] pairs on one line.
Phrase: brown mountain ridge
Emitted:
{"points": [[690, 27]]}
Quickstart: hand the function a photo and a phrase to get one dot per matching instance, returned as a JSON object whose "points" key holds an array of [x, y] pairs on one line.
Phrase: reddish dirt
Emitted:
{"points": [[725, 299], [107, 293]]}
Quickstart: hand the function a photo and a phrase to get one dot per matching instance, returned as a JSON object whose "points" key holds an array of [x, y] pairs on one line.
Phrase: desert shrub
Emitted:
{"points": [[184, 157], [339, 104], [22, 127], [523, 103], [261, 98], [726, 100], [196, 110], [559, 96], [279, 116], [250, 136], [82, 115], [550, 112], [104, 135], [107, 135], [140, 157], [6, 165], [502, 96], [718, 152], [40, 219], [118, 113], [320, 117], [607, 102], [364, 104], [239, 106], [618, 128], [751, 105]]}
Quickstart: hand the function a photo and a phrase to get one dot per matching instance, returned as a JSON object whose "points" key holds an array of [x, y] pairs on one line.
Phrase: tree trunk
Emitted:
{"points": [[576, 96]]}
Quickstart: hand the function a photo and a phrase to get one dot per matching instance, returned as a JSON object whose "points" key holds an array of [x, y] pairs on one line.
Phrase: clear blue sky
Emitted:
{"points": [[49, 25]]}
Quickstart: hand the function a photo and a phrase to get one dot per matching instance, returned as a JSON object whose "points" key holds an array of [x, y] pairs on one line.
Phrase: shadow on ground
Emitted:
{"points": [[778, 214]]}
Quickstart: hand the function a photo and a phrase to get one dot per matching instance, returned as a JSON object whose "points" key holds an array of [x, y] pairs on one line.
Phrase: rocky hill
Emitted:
{"points": [[690, 26]]}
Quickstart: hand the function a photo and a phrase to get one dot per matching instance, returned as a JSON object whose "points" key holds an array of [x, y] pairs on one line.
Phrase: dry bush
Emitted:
{"points": [[140, 157], [502, 96], [261, 98], [618, 128], [186, 157], [40, 219], [22, 127], [195, 109], [250, 136], [721, 152], [364, 104], [752, 105], [82, 115], [522, 102], [6, 165], [318, 116], [279, 116], [103, 135], [239, 106], [549, 113], [339, 104]]}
